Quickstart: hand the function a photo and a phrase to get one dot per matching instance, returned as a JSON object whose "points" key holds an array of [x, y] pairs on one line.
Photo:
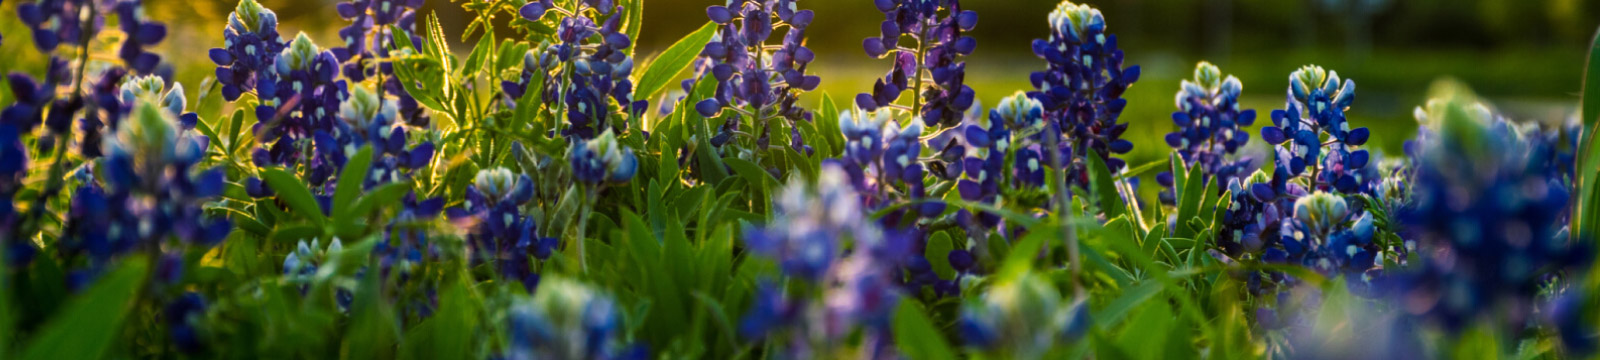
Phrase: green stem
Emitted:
{"points": [[58, 160], [583, 223]]}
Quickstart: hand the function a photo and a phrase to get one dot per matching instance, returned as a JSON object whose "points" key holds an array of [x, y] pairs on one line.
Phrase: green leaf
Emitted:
{"points": [[1130, 299], [480, 54], [1586, 222], [916, 335], [752, 173], [291, 190], [1110, 201], [1591, 85], [938, 254], [390, 193], [236, 126], [675, 60], [1189, 196], [351, 180], [89, 325]]}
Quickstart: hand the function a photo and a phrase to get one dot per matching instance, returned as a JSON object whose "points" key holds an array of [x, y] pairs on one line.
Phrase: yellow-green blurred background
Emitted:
{"points": [[1525, 55]]}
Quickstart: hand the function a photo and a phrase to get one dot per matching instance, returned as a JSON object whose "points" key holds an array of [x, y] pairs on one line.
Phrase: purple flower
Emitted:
{"points": [[584, 72], [761, 81], [1081, 90], [150, 193], [1210, 125], [368, 39], [499, 233], [1490, 217], [944, 96], [1317, 101], [251, 45]]}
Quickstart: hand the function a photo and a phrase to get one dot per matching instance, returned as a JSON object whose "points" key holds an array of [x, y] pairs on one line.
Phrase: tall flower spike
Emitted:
{"points": [[1317, 101], [594, 61], [498, 232], [152, 193], [944, 96], [1210, 126], [1486, 207], [762, 80], [250, 46], [1082, 87], [368, 39], [305, 95]]}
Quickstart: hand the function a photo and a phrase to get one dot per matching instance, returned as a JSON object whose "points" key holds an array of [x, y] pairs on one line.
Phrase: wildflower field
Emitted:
{"points": [[532, 187]]}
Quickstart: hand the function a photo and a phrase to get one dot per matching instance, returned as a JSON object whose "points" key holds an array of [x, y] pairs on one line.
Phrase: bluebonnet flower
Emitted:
{"points": [[183, 317], [593, 66], [301, 100], [1210, 126], [1317, 101], [13, 170], [302, 265], [602, 160], [1081, 89], [250, 47], [568, 320], [152, 191], [1022, 318], [757, 80], [54, 22], [807, 238], [880, 155], [945, 96], [368, 39], [370, 118], [1330, 236], [498, 231], [1488, 216], [809, 223], [141, 33]]}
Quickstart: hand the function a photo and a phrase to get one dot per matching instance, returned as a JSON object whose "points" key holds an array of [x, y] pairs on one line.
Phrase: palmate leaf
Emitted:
{"points": [[675, 60]]}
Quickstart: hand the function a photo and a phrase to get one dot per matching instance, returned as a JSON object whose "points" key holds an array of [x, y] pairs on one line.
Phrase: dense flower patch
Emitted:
{"points": [[391, 197]]}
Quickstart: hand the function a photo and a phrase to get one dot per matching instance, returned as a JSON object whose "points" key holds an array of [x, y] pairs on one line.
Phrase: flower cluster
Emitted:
{"points": [[602, 160], [500, 233], [1488, 256], [566, 319], [13, 170], [370, 118], [300, 102], [806, 238], [302, 265], [594, 67], [1082, 88], [61, 21], [940, 45], [250, 47], [368, 39], [879, 155], [753, 79], [1317, 101], [152, 192], [1210, 125]]}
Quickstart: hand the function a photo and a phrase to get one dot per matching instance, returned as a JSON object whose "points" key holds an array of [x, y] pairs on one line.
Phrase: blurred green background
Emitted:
{"points": [[1522, 54]]}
